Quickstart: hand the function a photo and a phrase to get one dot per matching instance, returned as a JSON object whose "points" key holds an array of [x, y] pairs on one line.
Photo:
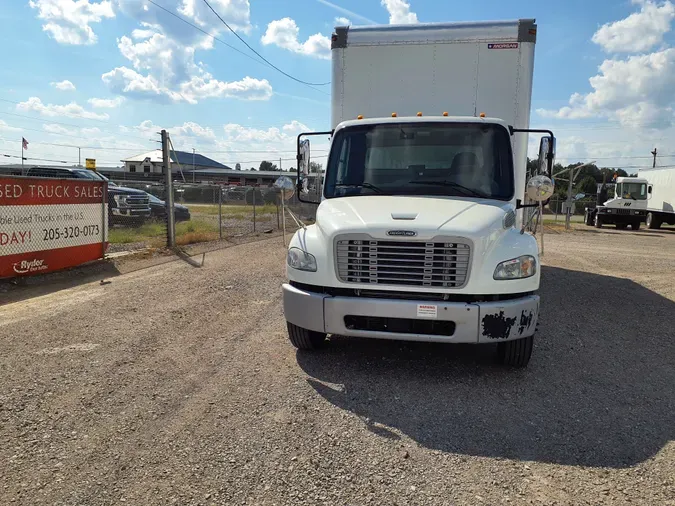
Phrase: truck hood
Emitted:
{"points": [[427, 216]]}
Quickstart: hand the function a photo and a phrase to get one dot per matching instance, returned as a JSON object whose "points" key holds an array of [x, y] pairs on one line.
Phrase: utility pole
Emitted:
{"points": [[79, 157], [193, 165], [280, 169], [168, 198], [654, 153], [572, 175]]}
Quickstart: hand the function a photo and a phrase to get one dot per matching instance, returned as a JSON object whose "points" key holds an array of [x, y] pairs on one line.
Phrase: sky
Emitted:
{"points": [[107, 75]]}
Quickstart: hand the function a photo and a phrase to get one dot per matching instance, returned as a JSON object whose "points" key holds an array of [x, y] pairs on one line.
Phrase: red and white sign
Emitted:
{"points": [[50, 224]]}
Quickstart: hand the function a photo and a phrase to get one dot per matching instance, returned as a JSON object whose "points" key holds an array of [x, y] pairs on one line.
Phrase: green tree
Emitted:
{"points": [[587, 185], [267, 166], [237, 166], [315, 167]]}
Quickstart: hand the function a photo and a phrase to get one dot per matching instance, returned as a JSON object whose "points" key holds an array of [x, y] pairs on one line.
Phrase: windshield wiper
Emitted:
{"points": [[360, 185], [468, 191]]}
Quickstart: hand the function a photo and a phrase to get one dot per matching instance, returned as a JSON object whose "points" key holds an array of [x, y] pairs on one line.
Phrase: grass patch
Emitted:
{"points": [[187, 232], [194, 231], [128, 235]]}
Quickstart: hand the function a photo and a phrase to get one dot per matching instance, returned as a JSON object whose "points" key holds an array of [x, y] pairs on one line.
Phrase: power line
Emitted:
{"points": [[94, 148], [43, 120], [79, 117], [311, 85], [30, 158]]}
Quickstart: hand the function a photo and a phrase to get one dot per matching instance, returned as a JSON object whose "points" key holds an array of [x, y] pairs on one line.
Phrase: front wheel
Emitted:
{"points": [[304, 339], [635, 226], [515, 353], [597, 221]]}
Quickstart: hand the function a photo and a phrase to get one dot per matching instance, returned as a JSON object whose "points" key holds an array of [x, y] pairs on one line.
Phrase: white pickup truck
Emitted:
{"points": [[419, 231]]}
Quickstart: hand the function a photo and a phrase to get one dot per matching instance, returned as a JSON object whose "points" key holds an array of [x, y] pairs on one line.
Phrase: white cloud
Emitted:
{"points": [[340, 21], [635, 91], [162, 54], [284, 34], [64, 85], [105, 103], [126, 81], [237, 13], [206, 87], [72, 110], [53, 128], [68, 21], [5, 127], [295, 127], [640, 31], [399, 12]]}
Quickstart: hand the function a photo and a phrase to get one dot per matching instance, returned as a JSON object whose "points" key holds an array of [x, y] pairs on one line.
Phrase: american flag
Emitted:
{"points": [[25, 143]]}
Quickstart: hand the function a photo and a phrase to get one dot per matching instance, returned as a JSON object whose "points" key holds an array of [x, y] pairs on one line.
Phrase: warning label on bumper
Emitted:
{"points": [[427, 311]]}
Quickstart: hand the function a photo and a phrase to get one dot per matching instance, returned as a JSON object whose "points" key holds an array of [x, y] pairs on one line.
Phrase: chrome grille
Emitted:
{"points": [[138, 202], [437, 263]]}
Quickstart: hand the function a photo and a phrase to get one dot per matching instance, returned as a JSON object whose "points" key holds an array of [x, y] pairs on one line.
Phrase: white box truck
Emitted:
{"points": [[661, 200], [417, 235]]}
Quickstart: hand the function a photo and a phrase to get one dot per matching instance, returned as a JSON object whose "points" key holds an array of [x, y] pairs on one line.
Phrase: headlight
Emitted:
{"points": [[608, 210], [301, 260], [518, 268], [120, 199]]}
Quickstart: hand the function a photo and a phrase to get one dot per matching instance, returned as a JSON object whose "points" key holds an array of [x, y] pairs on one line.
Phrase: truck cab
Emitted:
{"points": [[628, 207]]}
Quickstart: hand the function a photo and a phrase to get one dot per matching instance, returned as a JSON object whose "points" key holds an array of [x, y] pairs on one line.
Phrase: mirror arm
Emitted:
{"points": [[520, 205], [539, 131]]}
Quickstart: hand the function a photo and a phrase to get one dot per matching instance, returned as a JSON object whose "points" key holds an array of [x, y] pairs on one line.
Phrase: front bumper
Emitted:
{"points": [[475, 322], [128, 212]]}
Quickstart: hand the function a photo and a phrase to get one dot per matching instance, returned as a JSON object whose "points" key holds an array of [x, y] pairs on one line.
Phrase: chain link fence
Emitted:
{"points": [[208, 213]]}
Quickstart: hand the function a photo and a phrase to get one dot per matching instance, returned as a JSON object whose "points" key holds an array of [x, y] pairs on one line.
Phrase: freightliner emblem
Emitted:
{"points": [[404, 233]]}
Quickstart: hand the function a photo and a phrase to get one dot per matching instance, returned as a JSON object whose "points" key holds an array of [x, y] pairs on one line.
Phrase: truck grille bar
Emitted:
{"points": [[408, 263]]}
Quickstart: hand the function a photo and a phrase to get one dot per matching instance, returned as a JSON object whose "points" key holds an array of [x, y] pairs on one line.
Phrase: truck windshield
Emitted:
{"points": [[635, 191], [434, 159]]}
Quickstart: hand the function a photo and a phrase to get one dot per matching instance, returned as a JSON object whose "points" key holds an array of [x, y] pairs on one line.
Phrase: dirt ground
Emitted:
{"points": [[176, 384]]}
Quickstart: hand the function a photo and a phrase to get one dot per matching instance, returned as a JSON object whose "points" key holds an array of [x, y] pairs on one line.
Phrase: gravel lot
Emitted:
{"points": [[177, 385]]}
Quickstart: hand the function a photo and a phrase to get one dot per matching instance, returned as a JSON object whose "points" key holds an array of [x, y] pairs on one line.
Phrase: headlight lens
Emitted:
{"points": [[301, 260], [121, 199], [518, 268]]}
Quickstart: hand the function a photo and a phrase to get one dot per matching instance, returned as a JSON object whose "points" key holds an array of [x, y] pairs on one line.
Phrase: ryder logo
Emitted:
{"points": [[26, 266]]}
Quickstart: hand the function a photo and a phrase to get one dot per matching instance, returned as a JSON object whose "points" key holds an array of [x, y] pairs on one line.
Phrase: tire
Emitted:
{"points": [[635, 226], [597, 220], [621, 226], [304, 339], [653, 223], [515, 353]]}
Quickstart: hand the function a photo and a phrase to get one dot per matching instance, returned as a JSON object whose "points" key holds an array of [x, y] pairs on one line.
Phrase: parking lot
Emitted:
{"points": [[177, 385]]}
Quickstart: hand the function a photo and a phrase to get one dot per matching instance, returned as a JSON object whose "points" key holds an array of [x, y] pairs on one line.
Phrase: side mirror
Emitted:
{"points": [[303, 165], [305, 180], [546, 155], [649, 189]]}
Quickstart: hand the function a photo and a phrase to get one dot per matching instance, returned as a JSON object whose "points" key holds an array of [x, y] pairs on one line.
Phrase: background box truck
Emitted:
{"points": [[661, 201], [417, 236]]}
